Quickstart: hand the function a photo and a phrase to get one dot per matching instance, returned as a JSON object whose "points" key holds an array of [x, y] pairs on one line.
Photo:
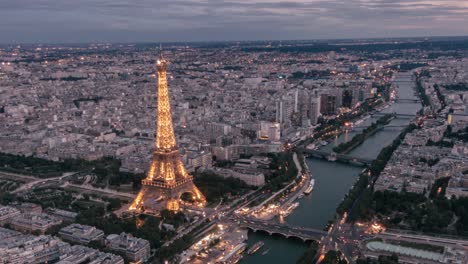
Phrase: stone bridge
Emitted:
{"points": [[396, 115], [406, 100], [285, 230], [338, 157]]}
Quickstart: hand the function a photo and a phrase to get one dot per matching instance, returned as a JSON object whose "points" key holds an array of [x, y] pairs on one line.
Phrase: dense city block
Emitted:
{"points": [[281, 152]]}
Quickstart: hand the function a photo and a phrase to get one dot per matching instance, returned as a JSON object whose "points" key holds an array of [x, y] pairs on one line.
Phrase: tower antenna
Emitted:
{"points": [[160, 51]]}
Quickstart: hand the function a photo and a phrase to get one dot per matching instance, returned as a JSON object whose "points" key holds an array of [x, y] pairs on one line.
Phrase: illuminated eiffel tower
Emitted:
{"points": [[167, 178]]}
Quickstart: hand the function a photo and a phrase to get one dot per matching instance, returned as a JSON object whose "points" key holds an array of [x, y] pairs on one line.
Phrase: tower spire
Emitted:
{"points": [[160, 51]]}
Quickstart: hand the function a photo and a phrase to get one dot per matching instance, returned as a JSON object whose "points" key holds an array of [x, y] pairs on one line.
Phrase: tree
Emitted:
{"points": [[6, 198], [334, 257], [215, 187], [393, 259], [309, 255]]}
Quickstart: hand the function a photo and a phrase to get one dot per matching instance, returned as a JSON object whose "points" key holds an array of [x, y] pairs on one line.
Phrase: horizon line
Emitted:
{"points": [[229, 41]]}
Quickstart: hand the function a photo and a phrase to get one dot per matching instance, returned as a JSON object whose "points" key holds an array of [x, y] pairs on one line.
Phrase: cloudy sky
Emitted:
{"points": [[199, 20]]}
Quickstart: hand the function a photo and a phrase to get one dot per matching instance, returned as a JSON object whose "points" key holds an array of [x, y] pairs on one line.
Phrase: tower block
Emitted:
{"points": [[167, 178]]}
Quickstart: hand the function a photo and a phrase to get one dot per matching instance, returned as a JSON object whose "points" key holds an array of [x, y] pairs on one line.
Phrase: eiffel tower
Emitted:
{"points": [[167, 178]]}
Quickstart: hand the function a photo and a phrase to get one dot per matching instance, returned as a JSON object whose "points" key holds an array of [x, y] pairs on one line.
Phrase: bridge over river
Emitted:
{"points": [[386, 127], [396, 115], [406, 100], [338, 157], [285, 230]]}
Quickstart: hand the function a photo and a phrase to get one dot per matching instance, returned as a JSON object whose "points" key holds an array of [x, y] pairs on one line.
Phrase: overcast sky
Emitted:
{"points": [[49, 21]]}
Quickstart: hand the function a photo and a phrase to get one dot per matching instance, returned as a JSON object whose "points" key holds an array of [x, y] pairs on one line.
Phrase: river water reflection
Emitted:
{"points": [[332, 182]]}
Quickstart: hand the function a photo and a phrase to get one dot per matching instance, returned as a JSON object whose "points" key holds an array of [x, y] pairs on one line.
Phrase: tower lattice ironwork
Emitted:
{"points": [[167, 178]]}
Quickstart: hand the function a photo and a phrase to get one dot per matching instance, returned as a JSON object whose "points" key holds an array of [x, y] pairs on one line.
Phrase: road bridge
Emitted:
{"points": [[44, 181], [337, 157], [392, 127], [285, 230], [104, 192], [406, 100], [396, 115]]}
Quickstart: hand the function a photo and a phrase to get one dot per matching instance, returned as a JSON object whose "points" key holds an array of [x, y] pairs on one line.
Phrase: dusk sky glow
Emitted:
{"points": [[33, 21]]}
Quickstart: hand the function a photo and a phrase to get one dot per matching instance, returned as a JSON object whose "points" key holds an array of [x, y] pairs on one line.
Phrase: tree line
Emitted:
{"points": [[361, 137]]}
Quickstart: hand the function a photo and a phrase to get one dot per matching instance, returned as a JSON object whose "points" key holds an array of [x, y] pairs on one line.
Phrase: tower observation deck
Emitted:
{"points": [[167, 178]]}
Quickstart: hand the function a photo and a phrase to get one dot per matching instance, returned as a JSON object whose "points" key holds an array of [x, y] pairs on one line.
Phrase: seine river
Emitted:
{"points": [[332, 182]]}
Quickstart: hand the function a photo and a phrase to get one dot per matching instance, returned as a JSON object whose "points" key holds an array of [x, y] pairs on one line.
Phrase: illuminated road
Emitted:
{"points": [[36, 182], [123, 195]]}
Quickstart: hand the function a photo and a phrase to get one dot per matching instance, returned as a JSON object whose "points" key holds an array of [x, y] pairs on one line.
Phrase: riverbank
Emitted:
{"points": [[283, 198], [333, 180], [328, 129], [364, 120], [300, 188], [357, 198], [358, 139]]}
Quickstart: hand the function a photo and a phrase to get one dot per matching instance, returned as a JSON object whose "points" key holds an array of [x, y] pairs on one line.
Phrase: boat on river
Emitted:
{"points": [[255, 247], [311, 146], [311, 187], [265, 252]]}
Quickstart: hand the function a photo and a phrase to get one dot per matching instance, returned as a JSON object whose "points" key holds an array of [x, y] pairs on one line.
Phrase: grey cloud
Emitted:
{"points": [[168, 20]]}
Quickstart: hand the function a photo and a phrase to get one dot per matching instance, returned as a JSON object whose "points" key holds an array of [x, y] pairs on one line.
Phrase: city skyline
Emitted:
{"points": [[47, 21], [269, 131]]}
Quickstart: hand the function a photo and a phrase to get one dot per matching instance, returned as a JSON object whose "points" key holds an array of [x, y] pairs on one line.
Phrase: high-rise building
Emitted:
{"points": [[328, 104], [314, 109], [296, 100], [284, 111], [303, 108], [167, 178], [347, 98], [279, 111]]}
